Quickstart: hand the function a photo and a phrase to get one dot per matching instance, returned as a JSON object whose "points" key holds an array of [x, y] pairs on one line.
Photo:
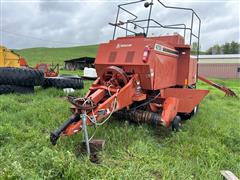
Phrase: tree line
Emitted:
{"points": [[227, 48]]}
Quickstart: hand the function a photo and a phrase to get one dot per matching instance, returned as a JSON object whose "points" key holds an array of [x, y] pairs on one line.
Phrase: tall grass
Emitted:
{"points": [[207, 144]]}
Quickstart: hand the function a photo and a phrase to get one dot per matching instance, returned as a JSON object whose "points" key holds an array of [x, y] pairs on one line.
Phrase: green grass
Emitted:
{"points": [[56, 55], [208, 143]]}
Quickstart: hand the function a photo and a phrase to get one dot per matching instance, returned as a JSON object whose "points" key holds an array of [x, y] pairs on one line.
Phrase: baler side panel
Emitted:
{"points": [[127, 54], [122, 52], [183, 67], [188, 98], [165, 71], [192, 76]]}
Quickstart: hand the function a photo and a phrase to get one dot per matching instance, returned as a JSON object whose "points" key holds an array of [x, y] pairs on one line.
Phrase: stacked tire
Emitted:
{"points": [[17, 80], [63, 82]]}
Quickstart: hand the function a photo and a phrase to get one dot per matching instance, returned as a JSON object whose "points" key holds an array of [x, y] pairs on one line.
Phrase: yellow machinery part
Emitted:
{"points": [[8, 58]]}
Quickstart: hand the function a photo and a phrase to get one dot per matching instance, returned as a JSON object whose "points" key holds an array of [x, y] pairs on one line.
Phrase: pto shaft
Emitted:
{"points": [[140, 116]]}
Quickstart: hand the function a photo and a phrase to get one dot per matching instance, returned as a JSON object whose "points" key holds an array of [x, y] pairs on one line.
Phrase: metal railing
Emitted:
{"points": [[145, 29]]}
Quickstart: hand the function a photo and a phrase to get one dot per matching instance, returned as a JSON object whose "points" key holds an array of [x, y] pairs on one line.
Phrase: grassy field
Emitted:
{"points": [[208, 143]]}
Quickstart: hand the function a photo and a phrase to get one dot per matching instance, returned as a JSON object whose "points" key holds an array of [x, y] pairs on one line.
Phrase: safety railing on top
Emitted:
{"points": [[145, 29]]}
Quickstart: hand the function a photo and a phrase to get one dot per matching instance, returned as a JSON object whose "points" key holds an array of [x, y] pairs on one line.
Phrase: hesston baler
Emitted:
{"points": [[142, 78]]}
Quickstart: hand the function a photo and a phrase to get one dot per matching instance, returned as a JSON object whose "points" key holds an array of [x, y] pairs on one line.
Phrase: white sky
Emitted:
{"points": [[59, 23]]}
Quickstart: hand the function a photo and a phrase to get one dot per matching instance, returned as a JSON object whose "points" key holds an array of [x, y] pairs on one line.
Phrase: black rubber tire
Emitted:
{"points": [[176, 124], [61, 83], [187, 116], [7, 89], [195, 111], [21, 77]]}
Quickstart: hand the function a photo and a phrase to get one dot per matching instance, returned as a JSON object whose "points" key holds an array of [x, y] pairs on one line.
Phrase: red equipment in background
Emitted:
{"points": [[49, 70], [141, 78], [23, 62]]}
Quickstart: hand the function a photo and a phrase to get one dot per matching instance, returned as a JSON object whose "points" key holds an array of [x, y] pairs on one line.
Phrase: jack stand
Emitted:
{"points": [[85, 133], [92, 146]]}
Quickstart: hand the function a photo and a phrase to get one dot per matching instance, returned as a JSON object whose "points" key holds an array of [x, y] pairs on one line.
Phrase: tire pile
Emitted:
{"points": [[63, 82], [17, 80]]}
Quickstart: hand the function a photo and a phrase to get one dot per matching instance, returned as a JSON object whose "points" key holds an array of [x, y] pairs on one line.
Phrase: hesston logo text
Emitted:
{"points": [[123, 45]]}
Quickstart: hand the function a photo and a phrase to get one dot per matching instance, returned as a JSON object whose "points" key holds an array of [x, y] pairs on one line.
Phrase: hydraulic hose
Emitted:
{"points": [[54, 136]]}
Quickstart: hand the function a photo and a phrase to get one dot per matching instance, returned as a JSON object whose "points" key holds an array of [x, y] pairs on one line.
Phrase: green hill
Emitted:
{"points": [[56, 55]]}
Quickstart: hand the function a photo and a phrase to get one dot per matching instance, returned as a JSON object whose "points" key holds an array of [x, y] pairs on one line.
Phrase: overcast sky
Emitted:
{"points": [[59, 23]]}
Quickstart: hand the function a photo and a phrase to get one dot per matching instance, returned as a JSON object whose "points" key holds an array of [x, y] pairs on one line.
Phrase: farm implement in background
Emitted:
{"points": [[50, 70], [140, 78], [9, 58], [52, 78], [227, 91]]}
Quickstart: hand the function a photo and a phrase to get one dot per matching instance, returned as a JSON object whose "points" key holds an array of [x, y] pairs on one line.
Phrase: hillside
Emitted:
{"points": [[56, 55]]}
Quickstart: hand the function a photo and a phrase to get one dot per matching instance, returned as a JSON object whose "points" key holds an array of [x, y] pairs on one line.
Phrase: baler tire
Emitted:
{"points": [[194, 111], [189, 115], [185, 116], [61, 83], [21, 77], [176, 124], [7, 89]]}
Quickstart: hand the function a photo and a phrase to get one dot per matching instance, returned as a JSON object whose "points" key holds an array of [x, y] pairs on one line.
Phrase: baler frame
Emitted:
{"points": [[146, 79]]}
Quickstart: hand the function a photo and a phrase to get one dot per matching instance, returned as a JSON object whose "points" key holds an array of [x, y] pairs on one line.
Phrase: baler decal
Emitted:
{"points": [[163, 49], [123, 45]]}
